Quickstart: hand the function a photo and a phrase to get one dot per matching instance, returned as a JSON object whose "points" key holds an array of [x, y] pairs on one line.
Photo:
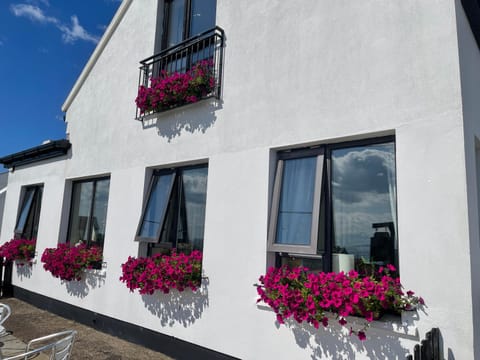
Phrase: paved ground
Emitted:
{"points": [[10, 346], [28, 322]]}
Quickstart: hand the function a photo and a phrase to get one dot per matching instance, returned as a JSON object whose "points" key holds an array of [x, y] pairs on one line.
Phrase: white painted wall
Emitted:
{"points": [[295, 73], [469, 56]]}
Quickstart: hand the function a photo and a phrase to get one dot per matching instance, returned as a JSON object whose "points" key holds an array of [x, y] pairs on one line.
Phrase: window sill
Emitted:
{"points": [[154, 114], [400, 326]]}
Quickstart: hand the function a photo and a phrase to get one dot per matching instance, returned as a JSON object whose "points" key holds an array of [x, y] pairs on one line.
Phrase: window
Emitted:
{"points": [[186, 18], [174, 212], [29, 212], [334, 206], [88, 212]]}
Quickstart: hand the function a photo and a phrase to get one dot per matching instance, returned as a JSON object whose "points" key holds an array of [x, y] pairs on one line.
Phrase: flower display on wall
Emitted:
{"points": [[69, 263], [307, 297], [171, 90], [163, 272], [21, 250]]}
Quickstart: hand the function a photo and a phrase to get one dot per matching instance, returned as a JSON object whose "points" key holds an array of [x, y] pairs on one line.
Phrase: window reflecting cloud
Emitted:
{"points": [[364, 193]]}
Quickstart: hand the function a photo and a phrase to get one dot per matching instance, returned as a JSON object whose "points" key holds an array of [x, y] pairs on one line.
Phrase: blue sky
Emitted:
{"points": [[44, 45]]}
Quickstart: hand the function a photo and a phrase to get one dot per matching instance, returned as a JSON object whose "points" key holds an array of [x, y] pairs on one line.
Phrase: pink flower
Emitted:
{"points": [[369, 316], [325, 321], [164, 272], [391, 267], [306, 297], [18, 249], [171, 90], [68, 263], [362, 336]]}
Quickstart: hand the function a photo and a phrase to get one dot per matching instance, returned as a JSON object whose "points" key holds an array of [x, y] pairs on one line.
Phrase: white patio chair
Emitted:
{"points": [[58, 346], [5, 312]]}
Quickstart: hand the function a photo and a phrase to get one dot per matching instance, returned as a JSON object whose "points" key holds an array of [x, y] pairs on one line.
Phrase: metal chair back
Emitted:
{"points": [[5, 312], [58, 346]]}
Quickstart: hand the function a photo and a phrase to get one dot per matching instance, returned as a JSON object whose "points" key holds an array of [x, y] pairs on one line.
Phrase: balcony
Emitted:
{"points": [[180, 75]]}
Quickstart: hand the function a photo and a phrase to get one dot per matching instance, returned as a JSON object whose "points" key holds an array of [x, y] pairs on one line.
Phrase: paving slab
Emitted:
{"points": [[10, 345], [28, 322]]}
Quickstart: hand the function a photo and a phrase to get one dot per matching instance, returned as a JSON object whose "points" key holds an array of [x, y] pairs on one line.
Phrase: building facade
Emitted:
{"points": [[332, 132]]}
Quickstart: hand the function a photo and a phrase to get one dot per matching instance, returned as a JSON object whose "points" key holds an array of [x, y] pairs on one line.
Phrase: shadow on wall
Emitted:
{"points": [[23, 270], [334, 342], [197, 117], [178, 307], [91, 279]]}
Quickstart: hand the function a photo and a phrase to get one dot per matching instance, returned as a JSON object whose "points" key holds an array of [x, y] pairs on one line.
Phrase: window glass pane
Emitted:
{"points": [[294, 262], [193, 197], [176, 14], [31, 227], [27, 203], [364, 203], [80, 212], [168, 236], [202, 16], [100, 212], [156, 205], [296, 202]]}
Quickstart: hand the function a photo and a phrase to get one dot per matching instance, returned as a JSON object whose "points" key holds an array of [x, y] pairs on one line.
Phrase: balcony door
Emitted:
{"points": [[186, 18]]}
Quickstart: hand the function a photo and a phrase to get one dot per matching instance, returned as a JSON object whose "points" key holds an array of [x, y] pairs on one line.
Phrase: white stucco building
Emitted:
{"points": [[378, 99]]}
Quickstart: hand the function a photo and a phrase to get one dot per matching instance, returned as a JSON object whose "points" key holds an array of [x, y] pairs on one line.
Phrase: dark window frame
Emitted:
{"points": [[310, 251], [187, 22], [156, 173], [92, 206], [34, 211], [155, 242]]}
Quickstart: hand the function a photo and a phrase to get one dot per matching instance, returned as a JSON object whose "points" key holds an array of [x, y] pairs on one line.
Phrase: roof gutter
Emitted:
{"points": [[46, 151], [96, 53]]}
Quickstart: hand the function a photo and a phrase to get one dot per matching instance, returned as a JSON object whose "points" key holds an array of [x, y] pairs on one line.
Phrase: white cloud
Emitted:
{"points": [[33, 13], [70, 33], [75, 32]]}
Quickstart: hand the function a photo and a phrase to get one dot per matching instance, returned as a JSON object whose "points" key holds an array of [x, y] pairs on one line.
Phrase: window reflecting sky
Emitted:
{"points": [[363, 192]]}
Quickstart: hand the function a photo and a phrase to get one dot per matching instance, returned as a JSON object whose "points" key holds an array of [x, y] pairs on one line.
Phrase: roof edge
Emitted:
{"points": [[42, 152], [96, 53]]}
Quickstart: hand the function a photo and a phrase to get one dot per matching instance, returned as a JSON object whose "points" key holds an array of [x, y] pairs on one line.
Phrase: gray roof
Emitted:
{"points": [[3, 185]]}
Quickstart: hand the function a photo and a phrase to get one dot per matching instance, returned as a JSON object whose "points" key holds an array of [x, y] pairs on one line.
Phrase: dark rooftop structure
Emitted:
{"points": [[45, 151]]}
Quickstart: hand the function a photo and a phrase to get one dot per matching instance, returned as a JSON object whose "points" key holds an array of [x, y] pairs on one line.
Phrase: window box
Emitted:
{"points": [[402, 326], [185, 73], [69, 263], [22, 251], [163, 272], [308, 297]]}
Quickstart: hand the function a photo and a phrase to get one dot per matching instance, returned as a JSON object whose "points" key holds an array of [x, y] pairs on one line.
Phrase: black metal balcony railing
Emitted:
{"points": [[205, 50]]}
